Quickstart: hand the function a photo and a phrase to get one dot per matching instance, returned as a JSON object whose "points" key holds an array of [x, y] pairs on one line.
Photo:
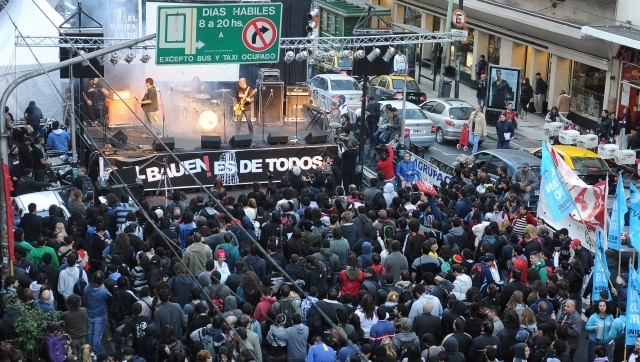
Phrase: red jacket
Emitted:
{"points": [[386, 166], [523, 264], [350, 285], [262, 309]]}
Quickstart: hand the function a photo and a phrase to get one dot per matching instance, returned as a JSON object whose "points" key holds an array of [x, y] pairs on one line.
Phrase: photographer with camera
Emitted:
{"points": [[297, 182], [349, 155]]}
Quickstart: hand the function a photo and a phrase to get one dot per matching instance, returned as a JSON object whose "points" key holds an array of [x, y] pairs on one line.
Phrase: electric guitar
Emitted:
{"points": [[239, 107]]}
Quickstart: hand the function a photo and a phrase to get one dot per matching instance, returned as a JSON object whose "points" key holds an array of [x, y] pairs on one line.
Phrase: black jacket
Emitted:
{"points": [[374, 112], [31, 224], [511, 288], [316, 323], [27, 185], [541, 86]]}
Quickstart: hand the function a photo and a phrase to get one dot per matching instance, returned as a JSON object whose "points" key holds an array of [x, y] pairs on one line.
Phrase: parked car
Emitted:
{"points": [[513, 159], [42, 199], [586, 164], [331, 86], [333, 65], [448, 114], [391, 87], [421, 129]]}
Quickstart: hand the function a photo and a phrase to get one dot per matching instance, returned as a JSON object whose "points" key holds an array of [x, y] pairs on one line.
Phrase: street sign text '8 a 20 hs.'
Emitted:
{"points": [[226, 33]]}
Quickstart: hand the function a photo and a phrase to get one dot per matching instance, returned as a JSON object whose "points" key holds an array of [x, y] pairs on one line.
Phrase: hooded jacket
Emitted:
{"points": [[507, 337], [349, 232], [341, 248], [364, 227], [395, 263], [58, 140], [389, 193], [262, 309], [365, 258], [503, 127], [99, 296], [333, 258], [256, 264], [451, 349], [520, 353], [404, 338], [461, 285], [68, 278], [351, 279], [231, 307], [456, 239], [402, 170], [55, 348], [296, 337]]}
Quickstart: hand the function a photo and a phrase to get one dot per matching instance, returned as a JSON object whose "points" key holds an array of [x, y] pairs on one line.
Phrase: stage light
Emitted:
{"points": [[302, 56], [313, 13], [319, 55], [332, 54], [346, 54], [311, 35], [129, 57], [289, 56], [114, 58], [83, 53], [101, 60], [359, 54], [387, 56], [373, 55], [145, 58], [311, 26]]}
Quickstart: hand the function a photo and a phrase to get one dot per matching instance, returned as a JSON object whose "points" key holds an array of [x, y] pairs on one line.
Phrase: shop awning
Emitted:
{"points": [[617, 34]]}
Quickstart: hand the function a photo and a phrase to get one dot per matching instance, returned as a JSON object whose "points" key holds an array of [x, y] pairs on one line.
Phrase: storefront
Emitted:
{"points": [[587, 90], [464, 49], [629, 92]]}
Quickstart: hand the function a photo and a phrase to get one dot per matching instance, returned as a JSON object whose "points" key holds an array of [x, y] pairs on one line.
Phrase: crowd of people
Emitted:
{"points": [[303, 272]]}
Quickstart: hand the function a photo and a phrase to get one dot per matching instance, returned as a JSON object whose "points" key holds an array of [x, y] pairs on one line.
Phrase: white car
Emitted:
{"points": [[42, 199], [421, 128], [331, 86]]}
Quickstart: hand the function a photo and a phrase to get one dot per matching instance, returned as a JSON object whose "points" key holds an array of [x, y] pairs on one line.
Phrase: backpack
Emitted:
{"points": [[401, 353], [286, 308], [365, 260], [217, 300], [116, 309], [405, 294], [176, 211], [80, 284], [87, 189], [491, 201], [476, 276], [328, 265], [387, 231]]}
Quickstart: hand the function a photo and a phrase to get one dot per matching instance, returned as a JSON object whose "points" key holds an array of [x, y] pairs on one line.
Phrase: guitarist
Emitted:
{"points": [[244, 97]]}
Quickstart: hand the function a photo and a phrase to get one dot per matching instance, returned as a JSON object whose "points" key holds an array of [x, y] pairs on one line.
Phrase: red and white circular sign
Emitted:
{"points": [[259, 34], [459, 18]]}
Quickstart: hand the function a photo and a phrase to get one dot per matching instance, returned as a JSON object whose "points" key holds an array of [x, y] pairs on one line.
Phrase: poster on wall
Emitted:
{"points": [[624, 99], [503, 87], [124, 19]]}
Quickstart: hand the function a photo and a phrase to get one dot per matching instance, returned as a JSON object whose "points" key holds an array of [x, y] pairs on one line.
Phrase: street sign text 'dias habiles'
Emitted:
{"points": [[227, 33]]}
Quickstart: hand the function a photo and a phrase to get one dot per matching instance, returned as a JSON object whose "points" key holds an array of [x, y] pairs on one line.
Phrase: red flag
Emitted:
{"points": [[8, 187]]}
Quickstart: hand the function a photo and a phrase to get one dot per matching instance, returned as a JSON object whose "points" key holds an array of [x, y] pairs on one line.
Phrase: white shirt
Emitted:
{"points": [[399, 62]]}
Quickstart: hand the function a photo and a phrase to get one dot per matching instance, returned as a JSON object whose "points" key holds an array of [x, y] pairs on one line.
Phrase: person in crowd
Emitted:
{"points": [[58, 139], [477, 128]]}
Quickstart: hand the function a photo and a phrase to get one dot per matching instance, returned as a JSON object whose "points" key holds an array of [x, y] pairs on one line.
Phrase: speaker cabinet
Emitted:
{"points": [[278, 138], [210, 142], [120, 139], [296, 97], [136, 190], [169, 141], [125, 175], [316, 137], [119, 114], [241, 140], [272, 108]]}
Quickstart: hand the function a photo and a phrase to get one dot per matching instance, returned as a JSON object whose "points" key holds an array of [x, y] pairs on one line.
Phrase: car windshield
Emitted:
{"points": [[414, 114], [344, 84], [398, 84], [345, 63], [460, 113], [588, 164], [535, 170]]}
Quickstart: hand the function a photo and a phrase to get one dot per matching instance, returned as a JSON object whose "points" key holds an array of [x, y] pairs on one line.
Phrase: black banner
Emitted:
{"points": [[234, 166]]}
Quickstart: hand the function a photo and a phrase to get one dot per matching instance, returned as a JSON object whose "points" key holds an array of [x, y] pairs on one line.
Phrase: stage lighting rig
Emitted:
{"points": [[387, 56], [289, 56], [359, 54], [114, 58], [374, 54], [129, 57], [145, 58]]}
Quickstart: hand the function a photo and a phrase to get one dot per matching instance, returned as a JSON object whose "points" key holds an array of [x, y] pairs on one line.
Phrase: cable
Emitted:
{"points": [[216, 201]]}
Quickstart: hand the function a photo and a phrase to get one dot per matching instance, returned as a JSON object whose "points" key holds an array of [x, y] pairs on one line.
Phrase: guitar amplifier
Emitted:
{"points": [[297, 96], [268, 75]]}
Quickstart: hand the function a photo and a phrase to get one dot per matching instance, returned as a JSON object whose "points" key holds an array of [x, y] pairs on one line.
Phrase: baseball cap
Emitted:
{"points": [[200, 198], [457, 258], [491, 257], [220, 253], [369, 270], [128, 351], [525, 164], [575, 242], [159, 213], [242, 332], [13, 147]]}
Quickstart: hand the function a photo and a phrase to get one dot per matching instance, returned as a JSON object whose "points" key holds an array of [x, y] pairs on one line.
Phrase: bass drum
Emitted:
{"points": [[208, 120]]}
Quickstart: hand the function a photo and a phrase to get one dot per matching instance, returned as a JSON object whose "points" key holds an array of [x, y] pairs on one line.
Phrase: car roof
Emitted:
{"points": [[454, 102], [397, 76], [516, 157], [398, 104], [335, 76], [575, 151]]}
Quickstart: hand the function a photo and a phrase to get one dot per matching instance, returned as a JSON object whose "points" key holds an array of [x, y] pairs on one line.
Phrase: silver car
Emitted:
{"points": [[42, 199], [421, 130], [331, 86], [448, 115]]}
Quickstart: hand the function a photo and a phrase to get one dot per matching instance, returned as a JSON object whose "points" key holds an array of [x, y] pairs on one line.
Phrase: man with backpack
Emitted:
{"points": [[196, 255], [83, 183], [425, 263], [69, 279], [405, 338], [385, 226], [370, 282], [286, 306], [481, 275], [330, 261], [413, 243]]}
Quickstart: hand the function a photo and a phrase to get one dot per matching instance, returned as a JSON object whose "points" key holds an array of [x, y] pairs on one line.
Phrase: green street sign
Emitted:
{"points": [[227, 33]]}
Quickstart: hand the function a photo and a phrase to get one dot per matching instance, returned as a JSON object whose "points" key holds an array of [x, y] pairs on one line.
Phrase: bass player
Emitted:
{"points": [[242, 107]]}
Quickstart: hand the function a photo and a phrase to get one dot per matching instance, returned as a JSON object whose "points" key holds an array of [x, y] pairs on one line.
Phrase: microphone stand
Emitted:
{"points": [[264, 108], [163, 119]]}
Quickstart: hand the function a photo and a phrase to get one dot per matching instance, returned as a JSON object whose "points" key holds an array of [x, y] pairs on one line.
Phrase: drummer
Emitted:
{"points": [[197, 86]]}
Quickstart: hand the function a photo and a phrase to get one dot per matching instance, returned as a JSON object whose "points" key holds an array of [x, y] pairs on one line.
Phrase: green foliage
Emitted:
{"points": [[31, 326]]}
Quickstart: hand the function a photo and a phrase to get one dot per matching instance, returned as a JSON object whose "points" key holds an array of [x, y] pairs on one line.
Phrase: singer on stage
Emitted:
{"points": [[149, 105], [244, 98]]}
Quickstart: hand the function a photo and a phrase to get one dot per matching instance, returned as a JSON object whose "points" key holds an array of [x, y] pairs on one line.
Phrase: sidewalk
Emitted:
{"points": [[529, 132]]}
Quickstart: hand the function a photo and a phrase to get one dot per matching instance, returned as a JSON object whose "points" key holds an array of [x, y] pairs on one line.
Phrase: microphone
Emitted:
{"points": [[181, 72], [272, 92]]}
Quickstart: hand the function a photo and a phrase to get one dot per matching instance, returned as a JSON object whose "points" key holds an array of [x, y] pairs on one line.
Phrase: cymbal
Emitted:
{"points": [[224, 90], [201, 96], [184, 89]]}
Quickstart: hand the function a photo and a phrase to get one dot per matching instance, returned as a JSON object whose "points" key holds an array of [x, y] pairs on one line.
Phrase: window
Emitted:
{"points": [[429, 106], [460, 113], [587, 89], [494, 49], [414, 114], [322, 84], [589, 164], [383, 82], [493, 165], [439, 108], [482, 158], [374, 81], [332, 24], [398, 84], [324, 20], [344, 84]]}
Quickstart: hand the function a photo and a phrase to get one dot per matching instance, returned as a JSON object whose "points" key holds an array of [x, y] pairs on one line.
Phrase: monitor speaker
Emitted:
{"points": [[316, 137], [120, 139], [210, 142], [169, 141], [278, 138], [125, 175], [241, 140]]}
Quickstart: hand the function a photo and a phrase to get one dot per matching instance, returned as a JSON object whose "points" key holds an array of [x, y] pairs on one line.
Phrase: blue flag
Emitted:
{"points": [[600, 270], [633, 307], [634, 216], [553, 188], [614, 236]]}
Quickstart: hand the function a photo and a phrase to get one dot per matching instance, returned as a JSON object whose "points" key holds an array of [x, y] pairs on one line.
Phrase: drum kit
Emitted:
{"points": [[210, 114]]}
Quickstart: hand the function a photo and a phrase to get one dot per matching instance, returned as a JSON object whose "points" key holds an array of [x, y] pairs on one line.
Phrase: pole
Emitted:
{"points": [[458, 59], [404, 105], [4, 135], [72, 122], [365, 100], [445, 48]]}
